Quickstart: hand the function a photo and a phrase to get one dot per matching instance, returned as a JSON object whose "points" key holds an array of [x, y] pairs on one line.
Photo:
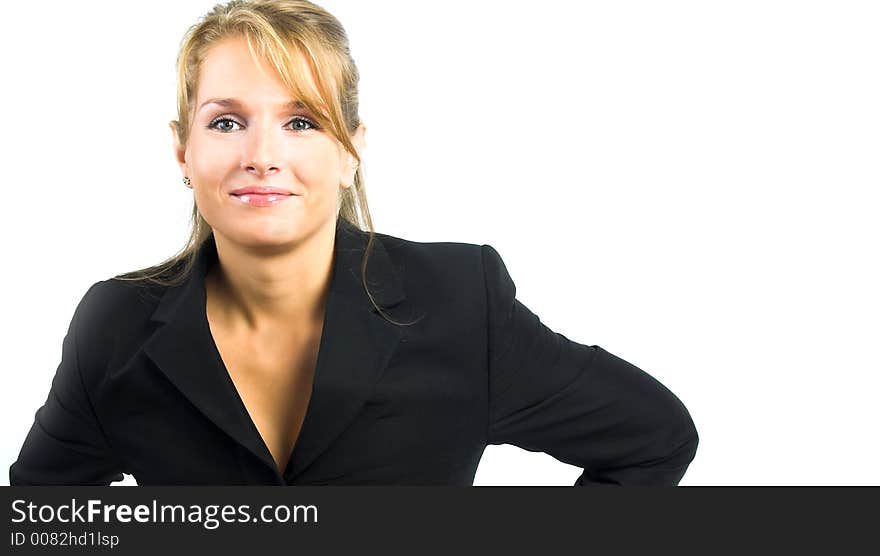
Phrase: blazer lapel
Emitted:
{"points": [[356, 344]]}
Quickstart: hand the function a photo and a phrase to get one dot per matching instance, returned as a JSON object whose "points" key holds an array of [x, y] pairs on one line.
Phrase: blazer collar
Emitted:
{"points": [[356, 345]]}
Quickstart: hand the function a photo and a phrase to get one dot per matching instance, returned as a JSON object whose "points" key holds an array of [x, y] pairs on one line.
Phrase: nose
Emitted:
{"points": [[259, 151]]}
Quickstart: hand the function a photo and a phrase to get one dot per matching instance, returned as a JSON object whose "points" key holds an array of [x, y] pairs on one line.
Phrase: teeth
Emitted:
{"points": [[246, 198]]}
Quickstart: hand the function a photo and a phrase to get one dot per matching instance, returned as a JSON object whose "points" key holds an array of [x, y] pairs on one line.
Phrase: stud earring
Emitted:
{"points": [[187, 181]]}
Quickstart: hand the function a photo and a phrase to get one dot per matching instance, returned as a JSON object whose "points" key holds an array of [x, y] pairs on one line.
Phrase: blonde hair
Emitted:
{"points": [[281, 32]]}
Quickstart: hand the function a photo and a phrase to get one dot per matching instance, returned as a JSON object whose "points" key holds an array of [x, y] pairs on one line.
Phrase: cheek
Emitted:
{"points": [[207, 205], [211, 160], [317, 168]]}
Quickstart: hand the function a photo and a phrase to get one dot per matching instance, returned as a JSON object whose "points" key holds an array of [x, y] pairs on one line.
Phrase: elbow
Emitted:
{"points": [[684, 440], [15, 477], [694, 441], [675, 444], [693, 437], [687, 430], [689, 448]]}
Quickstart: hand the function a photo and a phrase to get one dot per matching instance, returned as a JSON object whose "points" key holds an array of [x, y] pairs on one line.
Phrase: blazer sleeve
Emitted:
{"points": [[66, 445], [579, 403]]}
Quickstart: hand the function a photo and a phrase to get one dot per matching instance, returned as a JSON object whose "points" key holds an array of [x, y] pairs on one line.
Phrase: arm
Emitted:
{"points": [[66, 445], [580, 404]]}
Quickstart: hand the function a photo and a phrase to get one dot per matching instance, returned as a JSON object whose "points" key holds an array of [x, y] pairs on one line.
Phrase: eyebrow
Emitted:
{"points": [[235, 103]]}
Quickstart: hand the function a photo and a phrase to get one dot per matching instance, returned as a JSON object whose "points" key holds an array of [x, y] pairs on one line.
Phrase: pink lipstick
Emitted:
{"points": [[261, 196]]}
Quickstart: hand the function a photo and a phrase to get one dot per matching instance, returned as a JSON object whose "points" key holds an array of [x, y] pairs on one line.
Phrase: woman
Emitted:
{"points": [[284, 345]]}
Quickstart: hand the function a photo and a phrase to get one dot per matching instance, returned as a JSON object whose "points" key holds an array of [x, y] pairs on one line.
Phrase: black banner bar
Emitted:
{"points": [[411, 520]]}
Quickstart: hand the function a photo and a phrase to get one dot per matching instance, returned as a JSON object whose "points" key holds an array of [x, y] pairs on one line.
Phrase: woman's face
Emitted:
{"points": [[258, 139]]}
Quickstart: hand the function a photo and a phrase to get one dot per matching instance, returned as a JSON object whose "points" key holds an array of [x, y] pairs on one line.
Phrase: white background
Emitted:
{"points": [[692, 186]]}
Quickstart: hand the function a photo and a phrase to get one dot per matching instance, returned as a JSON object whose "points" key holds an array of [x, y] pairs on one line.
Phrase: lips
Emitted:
{"points": [[257, 190]]}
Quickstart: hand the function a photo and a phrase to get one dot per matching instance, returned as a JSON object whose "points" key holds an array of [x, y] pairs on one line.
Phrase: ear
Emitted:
{"points": [[358, 139], [179, 150]]}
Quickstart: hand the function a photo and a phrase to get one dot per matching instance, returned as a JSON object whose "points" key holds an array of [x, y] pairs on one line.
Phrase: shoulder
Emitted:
{"points": [[454, 274], [445, 258], [112, 314], [113, 298]]}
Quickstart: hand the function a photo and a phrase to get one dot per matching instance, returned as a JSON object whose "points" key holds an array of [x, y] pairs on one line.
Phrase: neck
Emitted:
{"points": [[263, 287]]}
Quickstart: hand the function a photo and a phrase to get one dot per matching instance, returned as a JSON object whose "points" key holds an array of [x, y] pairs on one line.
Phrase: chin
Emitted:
{"points": [[266, 236]]}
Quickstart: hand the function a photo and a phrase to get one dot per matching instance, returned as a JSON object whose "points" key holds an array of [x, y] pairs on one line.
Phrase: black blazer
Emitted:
{"points": [[141, 387]]}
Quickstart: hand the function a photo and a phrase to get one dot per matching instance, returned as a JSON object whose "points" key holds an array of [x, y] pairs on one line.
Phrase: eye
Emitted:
{"points": [[216, 124], [305, 121]]}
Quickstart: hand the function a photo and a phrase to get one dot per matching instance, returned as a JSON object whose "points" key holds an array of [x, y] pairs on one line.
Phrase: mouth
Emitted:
{"points": [[263, 199], [258, 190]]}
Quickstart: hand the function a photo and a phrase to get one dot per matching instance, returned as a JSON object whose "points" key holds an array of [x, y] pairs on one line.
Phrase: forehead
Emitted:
{"points": [[229, 70]]}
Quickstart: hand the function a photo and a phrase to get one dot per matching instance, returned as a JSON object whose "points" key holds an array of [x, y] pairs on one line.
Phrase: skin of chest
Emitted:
{"points": [[273, 375]]}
